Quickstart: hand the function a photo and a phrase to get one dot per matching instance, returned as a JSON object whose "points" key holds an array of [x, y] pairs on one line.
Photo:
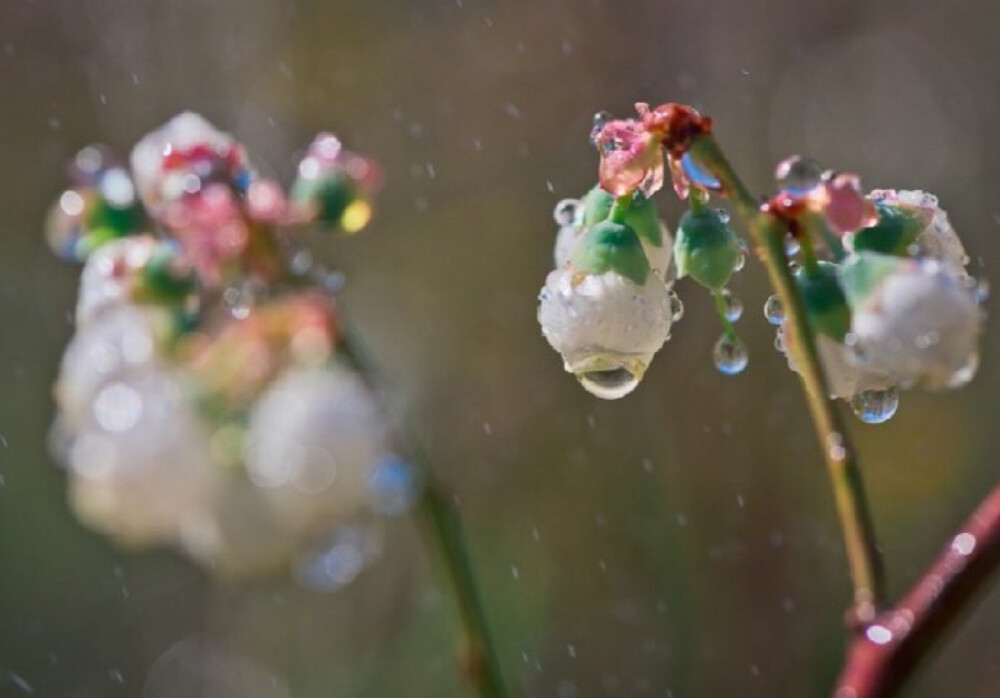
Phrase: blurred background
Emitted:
{"points": [[681, 542]]}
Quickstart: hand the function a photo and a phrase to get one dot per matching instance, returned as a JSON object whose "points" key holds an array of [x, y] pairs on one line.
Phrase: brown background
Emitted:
{"points": [[679, 543]]}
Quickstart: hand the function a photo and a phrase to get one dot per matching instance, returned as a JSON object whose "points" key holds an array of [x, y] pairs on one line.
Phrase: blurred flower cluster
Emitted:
{"points": [[206, 400], [883, 276]]}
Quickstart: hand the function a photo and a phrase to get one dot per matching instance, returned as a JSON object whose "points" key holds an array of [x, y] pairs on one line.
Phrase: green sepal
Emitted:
{"points": [[640, 214], [112, 221], [705, 248], [860, 273], [826, 306], [161, 278], [610, 246], [897, 228], [330, 193]]}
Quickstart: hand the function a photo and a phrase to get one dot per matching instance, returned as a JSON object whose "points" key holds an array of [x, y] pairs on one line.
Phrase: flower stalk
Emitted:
{"points": [[767, 231]]}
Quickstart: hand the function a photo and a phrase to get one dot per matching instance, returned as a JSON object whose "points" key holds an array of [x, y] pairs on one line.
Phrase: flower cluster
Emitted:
{"points": [[882, 276], [207, 400]]}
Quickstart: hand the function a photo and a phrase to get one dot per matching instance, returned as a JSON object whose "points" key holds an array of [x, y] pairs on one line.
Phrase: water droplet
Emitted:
{"points": [[609, 384], [730, 355], [568, 212], [982, 291], [697, 174], [676, 307], [965, 374], [798, 175], [779, 343], [600, 118], [792, 246], [773, 311], [964, 543], [879, 634], [394, 486], [732, 306], [339, 562], [875, 406], [723, 215], [741, 261]]}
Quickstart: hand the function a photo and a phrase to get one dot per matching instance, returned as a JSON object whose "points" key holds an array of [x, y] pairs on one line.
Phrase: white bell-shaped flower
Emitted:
{"points": [[918, 322], [845, 375], [118, 343], [606, 327], [314, 438], [140, 462]]}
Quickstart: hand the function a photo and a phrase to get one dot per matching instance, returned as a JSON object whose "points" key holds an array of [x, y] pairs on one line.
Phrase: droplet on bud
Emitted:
{"points": [[792, 246], [966, 373], [773, 311], [732, 306], [609, 384], [698, 176], [568, 212], [875, 406], [676, 307], [797, 175], [600, 118], [730, 355]]}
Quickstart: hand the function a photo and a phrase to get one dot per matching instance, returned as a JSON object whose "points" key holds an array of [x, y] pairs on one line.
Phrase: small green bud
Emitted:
{"points": [[860, 273], [162, 277], [825, 303], [897, 228], [705, 248], [640, 214], [329, 195], [610, 246]]}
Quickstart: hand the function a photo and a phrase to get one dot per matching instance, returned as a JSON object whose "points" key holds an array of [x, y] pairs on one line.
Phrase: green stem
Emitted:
{"points": [[768, 234], [618, 209], [720, 307], [810, 262], [477, 657]]}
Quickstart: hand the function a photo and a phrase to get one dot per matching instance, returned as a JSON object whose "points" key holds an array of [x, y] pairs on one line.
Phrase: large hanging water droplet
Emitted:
{"points": [[609, 384], [730, 355], [600, 118], [698, 175], [798, 175], [773, 311], [875, 406], [732, 306], [676, 307], [568, 212]]}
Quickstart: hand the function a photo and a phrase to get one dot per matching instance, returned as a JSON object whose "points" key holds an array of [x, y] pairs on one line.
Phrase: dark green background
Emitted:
{"points": [[680, 542]]}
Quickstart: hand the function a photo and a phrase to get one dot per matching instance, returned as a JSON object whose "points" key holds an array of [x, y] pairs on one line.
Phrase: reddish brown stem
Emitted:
{"points": [[884, 654]]}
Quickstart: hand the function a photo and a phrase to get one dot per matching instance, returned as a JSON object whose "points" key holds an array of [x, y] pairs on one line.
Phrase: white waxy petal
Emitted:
{"points": [[314, 437], [845, 375], [605, 327], [140, 463], [920, 324]]}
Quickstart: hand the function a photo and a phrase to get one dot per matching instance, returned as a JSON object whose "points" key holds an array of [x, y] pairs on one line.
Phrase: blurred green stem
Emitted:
{"points": [[476, 654], [768, 233]]}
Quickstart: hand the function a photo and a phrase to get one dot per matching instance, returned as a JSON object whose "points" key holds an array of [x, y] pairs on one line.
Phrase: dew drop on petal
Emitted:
{"points": [[609, 384], [966, 373], [875, 406], [773, 311], [697, 174], [791, 246], [600, 118], [676, 307], [982, 290], [568, 212], [798, 175], [730, 355], [732, 306]]}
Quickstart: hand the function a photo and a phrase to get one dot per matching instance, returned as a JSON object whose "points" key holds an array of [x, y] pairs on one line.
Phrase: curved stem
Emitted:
{"points": [[476, 654], [880, 659], [768, 231]]}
